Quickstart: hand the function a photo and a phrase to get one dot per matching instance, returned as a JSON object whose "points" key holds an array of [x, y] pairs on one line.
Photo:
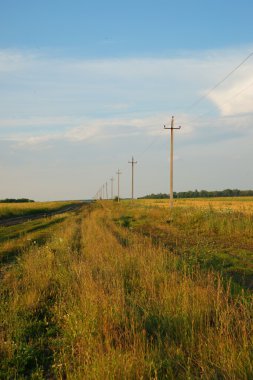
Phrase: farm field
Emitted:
{"points": [[20, 209], [129, 291], [240, 204], [216, 233]]}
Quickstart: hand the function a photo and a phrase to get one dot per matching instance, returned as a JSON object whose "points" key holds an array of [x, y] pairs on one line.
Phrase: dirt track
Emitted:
{"points": [[11, 221]]}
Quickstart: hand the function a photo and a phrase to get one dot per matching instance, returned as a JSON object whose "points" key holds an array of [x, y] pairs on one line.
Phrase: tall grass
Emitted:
{"points": [[213, 238], [100, 302]]}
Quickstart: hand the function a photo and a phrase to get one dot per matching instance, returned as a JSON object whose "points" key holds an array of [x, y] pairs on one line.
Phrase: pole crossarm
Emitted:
{"points": [[132, 162], [172, 125]]}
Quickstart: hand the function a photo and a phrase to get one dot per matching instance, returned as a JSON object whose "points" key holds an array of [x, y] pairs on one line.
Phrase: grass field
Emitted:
{"points": [[199, 230], [128, 291], [240, 204], [19, 209]]}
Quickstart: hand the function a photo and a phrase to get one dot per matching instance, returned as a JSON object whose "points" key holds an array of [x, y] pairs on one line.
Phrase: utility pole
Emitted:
{"points": [[118, 173], [106, 190], [171, 157], [132, 162], [103, 191], [112, 179]]}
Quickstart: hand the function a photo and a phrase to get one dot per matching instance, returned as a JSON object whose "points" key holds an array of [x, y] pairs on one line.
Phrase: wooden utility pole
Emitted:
{"points": [[132, 162], [118, 174], [112, 179], [171, 157]]}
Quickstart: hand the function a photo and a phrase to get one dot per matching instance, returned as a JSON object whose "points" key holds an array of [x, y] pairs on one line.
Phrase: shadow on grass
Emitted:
{"points": [[10, 233], [35, 341], [9, 256]]}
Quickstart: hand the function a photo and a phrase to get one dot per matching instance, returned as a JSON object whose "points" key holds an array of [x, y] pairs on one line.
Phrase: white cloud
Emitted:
{"points": [[34, 141], [235, 96], [235, 100], [15, 60], [35, 121], [87, 129], [46, 86]]}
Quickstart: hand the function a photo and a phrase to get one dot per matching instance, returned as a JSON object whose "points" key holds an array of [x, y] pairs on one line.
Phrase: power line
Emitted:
{"points": [[226, 102], [155, 139], [219, 83], [198, 100]]}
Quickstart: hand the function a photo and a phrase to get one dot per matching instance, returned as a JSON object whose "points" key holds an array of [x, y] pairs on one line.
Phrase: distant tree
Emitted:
{"points": [[12, 200], [202, 194]]}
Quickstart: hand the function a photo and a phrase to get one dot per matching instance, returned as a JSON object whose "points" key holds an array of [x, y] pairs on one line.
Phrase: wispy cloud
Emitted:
{"points": [[86, 129], [45, 98], [35, 121]]}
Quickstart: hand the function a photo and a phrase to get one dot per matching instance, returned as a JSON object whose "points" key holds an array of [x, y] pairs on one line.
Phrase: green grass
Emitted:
{"points": [[14, 239], [209, 237]]}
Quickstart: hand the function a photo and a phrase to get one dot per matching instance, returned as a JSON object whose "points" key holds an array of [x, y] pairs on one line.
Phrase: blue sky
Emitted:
{"points": [[125, 28], [86, 85]]}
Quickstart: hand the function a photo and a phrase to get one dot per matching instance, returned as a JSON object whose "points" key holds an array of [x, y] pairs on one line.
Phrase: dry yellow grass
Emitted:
{"points": [[13, 209], [240, 204]]}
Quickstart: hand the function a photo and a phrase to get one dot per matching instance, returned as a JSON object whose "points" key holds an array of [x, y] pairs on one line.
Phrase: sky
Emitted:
{"points": [[84, 86]]}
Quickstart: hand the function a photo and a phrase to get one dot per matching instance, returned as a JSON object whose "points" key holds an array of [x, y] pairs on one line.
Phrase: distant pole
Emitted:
{"points": [[112, 179], [171, 157], [106, 190], [118, 174], [132, 162], [103, 191]]}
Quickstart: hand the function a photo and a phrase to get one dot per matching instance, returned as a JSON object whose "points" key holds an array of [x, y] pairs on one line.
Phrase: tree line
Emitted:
{"points": [[202, 194], [13, 200]]}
